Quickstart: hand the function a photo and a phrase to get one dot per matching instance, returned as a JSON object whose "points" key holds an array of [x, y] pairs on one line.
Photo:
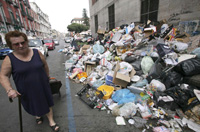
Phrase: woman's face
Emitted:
{"points": [[19, 44]]}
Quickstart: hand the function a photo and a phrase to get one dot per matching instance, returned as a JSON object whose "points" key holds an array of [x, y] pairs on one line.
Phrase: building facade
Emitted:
{"points": [[15, 15], [109, 14], [25, 17], [42, 21], [77, 20]]}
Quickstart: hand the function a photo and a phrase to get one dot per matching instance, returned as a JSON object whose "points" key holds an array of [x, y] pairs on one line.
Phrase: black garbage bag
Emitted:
{"points": [[155, 71], [172, 79], [193, 80], [123, 25], [137, 64], [130, 58], [181, 97], [188, 67], [170, 105]]}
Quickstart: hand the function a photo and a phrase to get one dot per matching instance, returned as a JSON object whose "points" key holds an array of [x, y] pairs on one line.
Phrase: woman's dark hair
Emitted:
{"points": [[14, 34]]}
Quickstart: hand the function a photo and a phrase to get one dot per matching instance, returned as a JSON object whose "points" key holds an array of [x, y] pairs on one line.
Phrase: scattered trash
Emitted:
{"points": [[120, 120], [141, 72]]}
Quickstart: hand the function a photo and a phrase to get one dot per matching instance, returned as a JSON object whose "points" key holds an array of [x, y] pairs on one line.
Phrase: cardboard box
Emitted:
{"points": [[116, 37], [122, 49], [85, 47], [101, 31], [121, 79], [89, 66], [184, 39], [148, 32]]}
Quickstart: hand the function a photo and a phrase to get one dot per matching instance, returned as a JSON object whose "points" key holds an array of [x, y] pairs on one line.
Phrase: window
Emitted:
{"points": [[2, 14], [27, 11], [21, 6], [96, 22], [94, 1], [111, 15], [18, 18], [25, 23], [149, 10], [107, 26], [11, 16]]}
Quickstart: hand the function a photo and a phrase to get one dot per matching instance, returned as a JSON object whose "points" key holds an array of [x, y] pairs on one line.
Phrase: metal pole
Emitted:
{"points": [[20, 113]]}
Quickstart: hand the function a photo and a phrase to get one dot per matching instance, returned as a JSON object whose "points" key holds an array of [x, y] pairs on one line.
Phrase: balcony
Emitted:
{"points": [[23, 12], [15, 4], [1, 19], [30, 17], [8, 20], [17, 25], [16, 22], [9, 1], [28, 6], [25, 3]]}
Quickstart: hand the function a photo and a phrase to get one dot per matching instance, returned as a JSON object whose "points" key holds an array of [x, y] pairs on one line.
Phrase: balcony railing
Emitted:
{"points": [[8, 20], [25, 3], [28, 6], [16, 22], [30, 17], [9, 1], [23, 12], [15, 4], [1, 19]]}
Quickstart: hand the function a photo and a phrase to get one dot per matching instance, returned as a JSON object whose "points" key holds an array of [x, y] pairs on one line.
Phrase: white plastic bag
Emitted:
{"points": [[179, 46], [127, 109], [125, 68], [146, 64], [159, 86]]}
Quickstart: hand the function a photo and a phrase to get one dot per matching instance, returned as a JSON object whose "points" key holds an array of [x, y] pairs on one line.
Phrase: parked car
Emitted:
{"points": [[4, 50], [38, 44], [56, 41], [49, 43], [67, 40]]}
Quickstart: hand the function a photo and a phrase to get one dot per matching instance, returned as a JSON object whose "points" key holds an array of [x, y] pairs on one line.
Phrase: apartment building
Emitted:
{"points": [[15, 15], [109, 14], [42, 20], [77, 20]]}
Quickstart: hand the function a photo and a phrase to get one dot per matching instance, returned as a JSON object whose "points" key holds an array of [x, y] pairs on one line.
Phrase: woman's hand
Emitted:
{"points": [[12, 93]]}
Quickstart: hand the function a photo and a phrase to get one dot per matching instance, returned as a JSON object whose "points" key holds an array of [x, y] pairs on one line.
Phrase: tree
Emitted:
{"points": [[85, 18], [77, 27]]}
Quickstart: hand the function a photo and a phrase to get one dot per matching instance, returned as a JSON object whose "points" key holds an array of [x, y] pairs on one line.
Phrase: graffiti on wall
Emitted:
{"points": [[191, 27]]}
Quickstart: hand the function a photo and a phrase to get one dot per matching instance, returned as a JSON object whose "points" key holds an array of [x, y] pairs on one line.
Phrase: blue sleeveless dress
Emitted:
{"points": [[32, 83]]}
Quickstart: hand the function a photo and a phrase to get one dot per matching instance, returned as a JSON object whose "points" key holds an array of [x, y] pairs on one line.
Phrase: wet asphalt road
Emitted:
{"points": [[70, 112]]}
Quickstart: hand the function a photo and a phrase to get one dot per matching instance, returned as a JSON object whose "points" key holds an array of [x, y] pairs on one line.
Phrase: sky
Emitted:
{"points": [[61, 12]]}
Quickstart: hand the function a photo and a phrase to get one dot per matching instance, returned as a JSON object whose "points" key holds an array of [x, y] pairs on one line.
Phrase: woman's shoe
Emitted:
{"points": [[55, 128], [39, 120]]}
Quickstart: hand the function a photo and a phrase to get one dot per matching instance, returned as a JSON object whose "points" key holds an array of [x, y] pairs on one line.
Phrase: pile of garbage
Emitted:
{"points": [[140, 73]]}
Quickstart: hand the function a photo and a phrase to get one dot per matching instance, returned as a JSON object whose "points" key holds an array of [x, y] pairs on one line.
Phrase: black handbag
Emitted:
{"points": [[55, 86]]}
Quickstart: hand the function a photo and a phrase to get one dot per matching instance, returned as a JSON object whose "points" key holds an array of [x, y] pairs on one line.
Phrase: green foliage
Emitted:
{"points": [[77, 27], [85, 18]]}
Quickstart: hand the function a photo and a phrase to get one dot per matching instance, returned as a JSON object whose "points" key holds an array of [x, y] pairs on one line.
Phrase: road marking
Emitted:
{"points": [[71, 121]]}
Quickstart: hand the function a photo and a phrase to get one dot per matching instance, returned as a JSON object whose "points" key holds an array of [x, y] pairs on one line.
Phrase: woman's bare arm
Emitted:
{"points": [[45, 63], [5, 74]]}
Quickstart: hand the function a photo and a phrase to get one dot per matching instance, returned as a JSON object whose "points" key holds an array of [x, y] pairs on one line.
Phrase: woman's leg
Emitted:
{"points": [[51, 120]]}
